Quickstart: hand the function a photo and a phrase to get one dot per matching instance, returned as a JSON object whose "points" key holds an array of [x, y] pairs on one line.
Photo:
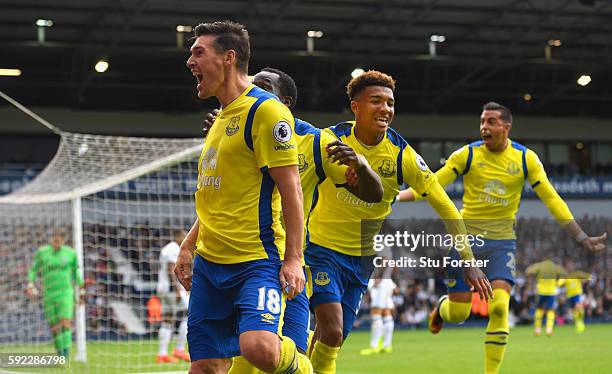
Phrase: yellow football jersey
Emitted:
{"points": [[237, 202], [336, 220], [546, 273], [573, 283], [493, 185], [314, 164]]}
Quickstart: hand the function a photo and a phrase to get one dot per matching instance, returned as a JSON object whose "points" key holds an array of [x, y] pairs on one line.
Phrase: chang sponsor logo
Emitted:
{"points": [[209, 164], [349, 198], [492, 192]]}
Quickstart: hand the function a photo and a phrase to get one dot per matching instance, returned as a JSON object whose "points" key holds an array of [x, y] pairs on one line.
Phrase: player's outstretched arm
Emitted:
{"points": [[287, 179], [365, 184], [183, 269], [559, 209]]}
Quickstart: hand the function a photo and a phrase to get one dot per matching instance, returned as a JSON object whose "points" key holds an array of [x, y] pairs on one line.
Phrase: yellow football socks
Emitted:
{"points": [[291, 361], [323, 358], [454, 311], [550, 321], [497, 331], [241, 366]]}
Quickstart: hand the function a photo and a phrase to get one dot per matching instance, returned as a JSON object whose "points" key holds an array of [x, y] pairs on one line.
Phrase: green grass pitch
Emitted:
{"points": [[455, 350]]}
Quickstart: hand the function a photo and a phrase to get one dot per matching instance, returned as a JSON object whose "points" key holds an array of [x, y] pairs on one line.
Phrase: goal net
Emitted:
{"points": [[118, 200]]}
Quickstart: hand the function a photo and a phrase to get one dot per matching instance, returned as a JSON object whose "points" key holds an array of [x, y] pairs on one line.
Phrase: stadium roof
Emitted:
{"points": [[493, 50]]}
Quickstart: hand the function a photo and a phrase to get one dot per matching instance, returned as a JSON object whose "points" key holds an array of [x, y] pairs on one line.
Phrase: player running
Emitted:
{"points": [[243, 260], [318, 153], [59, 273], [494, 171], [340, 254], [573, 291], [174, 300], [547, 274]]}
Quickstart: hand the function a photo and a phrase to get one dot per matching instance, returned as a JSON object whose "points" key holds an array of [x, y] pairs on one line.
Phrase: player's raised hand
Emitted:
{"points": [[209, 119], [292, 278], [345, 155], [183, 268], [478, 282], [595, 243]]}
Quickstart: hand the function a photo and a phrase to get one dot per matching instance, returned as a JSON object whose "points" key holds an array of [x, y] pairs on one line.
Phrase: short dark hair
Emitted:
{"points": [[369, 78], [506, 115], [287, 84], [229, 35]]}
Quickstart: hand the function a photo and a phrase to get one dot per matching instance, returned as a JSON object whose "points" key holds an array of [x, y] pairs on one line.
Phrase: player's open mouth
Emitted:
{"points": [[486, 136], [198, 76]]}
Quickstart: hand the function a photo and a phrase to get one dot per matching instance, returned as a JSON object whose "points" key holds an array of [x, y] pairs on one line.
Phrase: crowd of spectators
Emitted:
{"points": [[416, 294]]}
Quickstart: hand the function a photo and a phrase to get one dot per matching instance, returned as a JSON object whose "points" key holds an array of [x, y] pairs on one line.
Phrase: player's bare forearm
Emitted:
{"points": [[406, 195], [183, 269], [367, 185], [287, 179], [369, 188], [590, 243]]}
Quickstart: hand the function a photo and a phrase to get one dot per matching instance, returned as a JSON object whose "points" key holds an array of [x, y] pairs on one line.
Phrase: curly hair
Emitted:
{"points": [[369, 78]]}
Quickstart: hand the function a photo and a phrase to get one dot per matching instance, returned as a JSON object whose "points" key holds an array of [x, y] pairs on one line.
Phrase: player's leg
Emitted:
{"points": [[50, 310], [211, 332], [376, 330], [498, 328], [329, 327], [179, 351], [539, 315], [327, 274], [65, 315], [550, 315], [388, 327], [166, 328], [578, 313], [500, 271], [260, 305]]}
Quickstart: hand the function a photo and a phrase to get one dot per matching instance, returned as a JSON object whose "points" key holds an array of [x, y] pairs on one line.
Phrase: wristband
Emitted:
{"points": [[580, 236]]}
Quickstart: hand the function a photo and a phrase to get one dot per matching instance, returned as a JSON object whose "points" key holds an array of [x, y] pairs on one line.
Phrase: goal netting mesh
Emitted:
{"points": [[119, 200]]}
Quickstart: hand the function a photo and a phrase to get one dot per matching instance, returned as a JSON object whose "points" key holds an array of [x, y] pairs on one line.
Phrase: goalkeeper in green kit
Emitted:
{"points": [[58, 267]]}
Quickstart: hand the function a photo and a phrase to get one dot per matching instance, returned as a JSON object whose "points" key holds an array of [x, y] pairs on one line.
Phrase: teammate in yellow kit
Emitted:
{"points": [[243, 259], [494, 171], [573, 291], [547, 274], [340, 253], [318, 152]]}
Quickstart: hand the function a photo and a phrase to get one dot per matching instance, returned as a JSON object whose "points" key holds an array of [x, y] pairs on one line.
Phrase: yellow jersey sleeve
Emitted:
{"points": [[457, 162], [452, 168], [274, 141], [416, 173], [331, 169], [545, 191]]}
